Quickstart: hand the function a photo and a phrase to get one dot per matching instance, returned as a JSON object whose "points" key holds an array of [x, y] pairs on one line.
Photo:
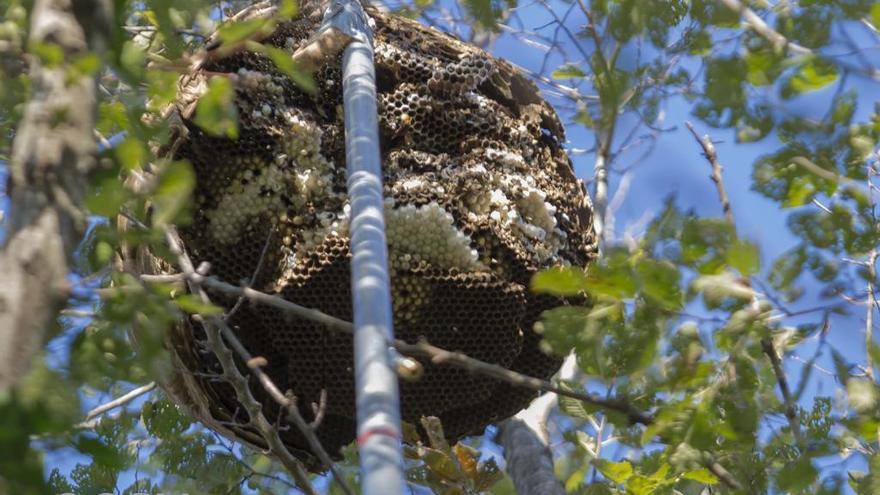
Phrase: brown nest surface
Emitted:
{"points": [[480, 196]]}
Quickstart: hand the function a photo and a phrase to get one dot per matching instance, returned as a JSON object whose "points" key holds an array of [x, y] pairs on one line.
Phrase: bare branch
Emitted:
{"points": [[869, 313], [423, 349], [723, 474], [712, 156], [213, 328], [821, 172], [287, 402], [765, 31], [790, 411], [459, 360], [120, 401], [766, 343]]}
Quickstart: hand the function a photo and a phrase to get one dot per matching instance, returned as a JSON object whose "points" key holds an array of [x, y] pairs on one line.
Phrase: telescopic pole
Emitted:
{"points": [[377, 399]]}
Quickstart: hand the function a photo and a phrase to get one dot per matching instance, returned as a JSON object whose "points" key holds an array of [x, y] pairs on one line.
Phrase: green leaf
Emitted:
{"points": [[567, 281], [568, 71], [800, 191], [176, 183], [101, 453], [796, 476], [584, 118], [716, 288], [249, 29], [288, 9], [574, 407], [216, 113], [813, 75], [763, 66], [50, 54], [597, 489], [132, 60], [131, 153], [106, 193], [193, 305], [617, 472], [163, 419], [576, 478], [442, 464], [660, 281], [701, 475], [744, 257], [488, 474], [862, 395], [564, 328], [486, 12], [286, 65], [613, 277]]}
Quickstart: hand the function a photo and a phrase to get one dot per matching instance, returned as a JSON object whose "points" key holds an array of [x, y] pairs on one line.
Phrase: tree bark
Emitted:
{"points": [[52, 155], [527, 445], [526, 449]]}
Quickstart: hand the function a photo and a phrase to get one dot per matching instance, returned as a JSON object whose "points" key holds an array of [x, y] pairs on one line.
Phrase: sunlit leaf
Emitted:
{"points": [[216, 112], [617, 472], [701, 475], [813, 75], [286, 65], [569, 71], [176, 183], [560, 281], [743, 255]]}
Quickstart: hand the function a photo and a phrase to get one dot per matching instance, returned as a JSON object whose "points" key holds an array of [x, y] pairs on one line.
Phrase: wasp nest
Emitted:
{"points": [[479, 196]]}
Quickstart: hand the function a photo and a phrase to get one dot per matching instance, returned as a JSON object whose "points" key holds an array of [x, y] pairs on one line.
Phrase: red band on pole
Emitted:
{"points": [[381, 430]]}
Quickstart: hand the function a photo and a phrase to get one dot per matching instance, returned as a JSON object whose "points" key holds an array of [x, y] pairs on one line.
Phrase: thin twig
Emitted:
{"points": [[459, 360], [723, 475], [426, 350], [767, 346], [285, 401], [821, 172], [872, 275], [790, 411], [869, 314], [255, 365], [764, 30], [120, 401], [254, 276], [712, 156], [234, 377]]}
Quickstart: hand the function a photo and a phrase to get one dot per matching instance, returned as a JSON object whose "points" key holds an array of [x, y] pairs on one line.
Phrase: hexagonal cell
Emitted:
{"points": [[480, 197]]}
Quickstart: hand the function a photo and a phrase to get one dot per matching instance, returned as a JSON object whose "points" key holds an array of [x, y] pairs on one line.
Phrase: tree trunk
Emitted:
{"points": [[527, 445], [52, 155]]}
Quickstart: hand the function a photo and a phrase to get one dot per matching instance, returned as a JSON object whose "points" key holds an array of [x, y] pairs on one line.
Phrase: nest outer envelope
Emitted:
{"points": [[479, 197]]}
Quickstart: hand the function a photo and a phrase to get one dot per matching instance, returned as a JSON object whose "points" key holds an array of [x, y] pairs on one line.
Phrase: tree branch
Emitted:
{"points": [[422, 349], [527, 445], [712, 156], [213, 328], [869, 314], [767, 346], [758, 25], [120, 401]]}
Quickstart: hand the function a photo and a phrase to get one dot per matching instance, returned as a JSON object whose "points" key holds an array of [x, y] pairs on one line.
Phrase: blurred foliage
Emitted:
{"points": [[679, 319]]}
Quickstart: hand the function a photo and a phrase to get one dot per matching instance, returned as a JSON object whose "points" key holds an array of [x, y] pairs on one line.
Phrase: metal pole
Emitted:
{"points": [[378, 403]]}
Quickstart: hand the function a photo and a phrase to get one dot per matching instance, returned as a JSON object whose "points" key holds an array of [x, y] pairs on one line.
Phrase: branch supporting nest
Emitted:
{"points": [[215, 329], [421, 349]]}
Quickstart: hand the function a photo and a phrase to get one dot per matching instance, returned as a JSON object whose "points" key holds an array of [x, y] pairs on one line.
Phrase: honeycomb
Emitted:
{"points": [[479, 196]]}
